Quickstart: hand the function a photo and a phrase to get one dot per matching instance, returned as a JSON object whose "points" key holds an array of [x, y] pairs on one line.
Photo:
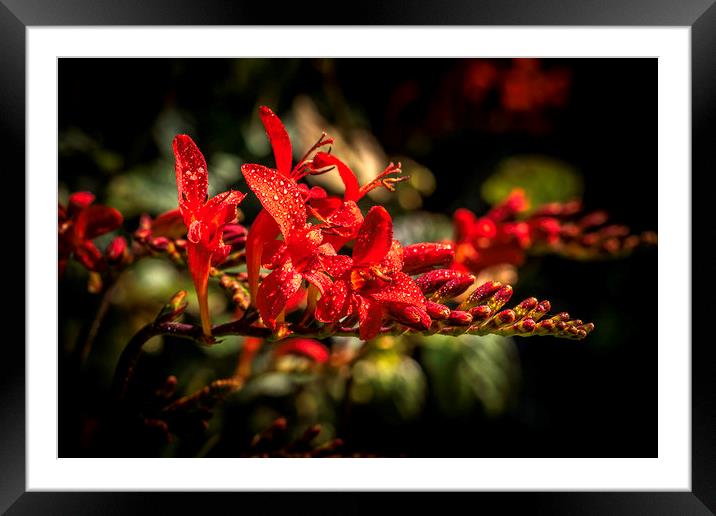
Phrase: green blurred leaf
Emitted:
{"points": [[543, 179], [466, 371]]}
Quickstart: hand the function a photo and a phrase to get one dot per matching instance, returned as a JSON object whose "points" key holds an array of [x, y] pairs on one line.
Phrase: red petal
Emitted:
{"points": [[220, 253], [264, 229], [78, 201], [280, 142], [318, 279], [335, 303], [296, 300], [221, 208], [275, 292], [393, 261], [280, 196], [97, 220], [402, 289], [274, 254], [89, 256], [374, 238], [191, 173], [370, 316], [325, 205], [304, 247], [323, 160], [169, 224], [346, 220], [336, 265], [308, 348]]}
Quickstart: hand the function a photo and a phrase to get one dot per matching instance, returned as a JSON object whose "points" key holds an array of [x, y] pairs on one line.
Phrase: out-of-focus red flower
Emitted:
{"points": [[116, 251], [505, 234], [78, 224], [371, 284], [204, 219], [309, 348], [526, 87]]}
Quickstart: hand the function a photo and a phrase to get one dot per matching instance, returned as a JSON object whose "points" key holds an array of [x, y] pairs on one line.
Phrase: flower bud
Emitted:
{"points": [[482, 293], [235, 236], [500, 298], [160, 244], [460, 318], [174, 308], [454, 287], [502, 318], [433, 280], [437, 311], [116, 251], [525, 326], [540, 310], [480, 312], [422, 257], [412, 316], [525, 307]]}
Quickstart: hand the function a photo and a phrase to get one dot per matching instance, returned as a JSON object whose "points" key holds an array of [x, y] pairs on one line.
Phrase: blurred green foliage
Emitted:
{"points": [[543, 179]]}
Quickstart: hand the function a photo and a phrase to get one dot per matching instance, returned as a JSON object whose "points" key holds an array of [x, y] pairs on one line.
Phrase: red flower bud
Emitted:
{"points": [[500, 298], [525, 325], [480, 312], [454, 287], [460, 318], [504, 317], [437, 311], [483, 293], [525, 307], [433, 280], [116, 250], [422, 257], [411, 316], [235, 236], [160, 243]]}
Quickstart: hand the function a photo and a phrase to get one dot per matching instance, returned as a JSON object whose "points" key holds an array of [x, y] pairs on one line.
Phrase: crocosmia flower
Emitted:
{"points": [[371, 284], [204, 219], [295, 258], [340, 218], [78, 224]]}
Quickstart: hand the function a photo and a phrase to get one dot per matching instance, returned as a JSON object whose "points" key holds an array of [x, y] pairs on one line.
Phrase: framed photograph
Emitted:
{"points": [[415, 253]]}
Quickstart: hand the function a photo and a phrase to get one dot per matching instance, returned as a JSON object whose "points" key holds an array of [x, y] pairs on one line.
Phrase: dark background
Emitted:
{"points": [[595, 398]]}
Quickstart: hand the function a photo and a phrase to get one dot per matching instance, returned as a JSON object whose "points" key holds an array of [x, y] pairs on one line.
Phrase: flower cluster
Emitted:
{"points": [[374, 289], [505, 234], [78, 224], [323, 253]]}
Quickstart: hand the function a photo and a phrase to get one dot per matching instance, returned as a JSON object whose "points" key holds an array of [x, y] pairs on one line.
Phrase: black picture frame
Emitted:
{"points": [[700, 15]]}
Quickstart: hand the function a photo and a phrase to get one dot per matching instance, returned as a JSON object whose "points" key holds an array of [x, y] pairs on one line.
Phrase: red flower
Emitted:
{"points": [[371, 284], [340, 218], [295, 258], [265, 228], [204, 219], [78, 224]]}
